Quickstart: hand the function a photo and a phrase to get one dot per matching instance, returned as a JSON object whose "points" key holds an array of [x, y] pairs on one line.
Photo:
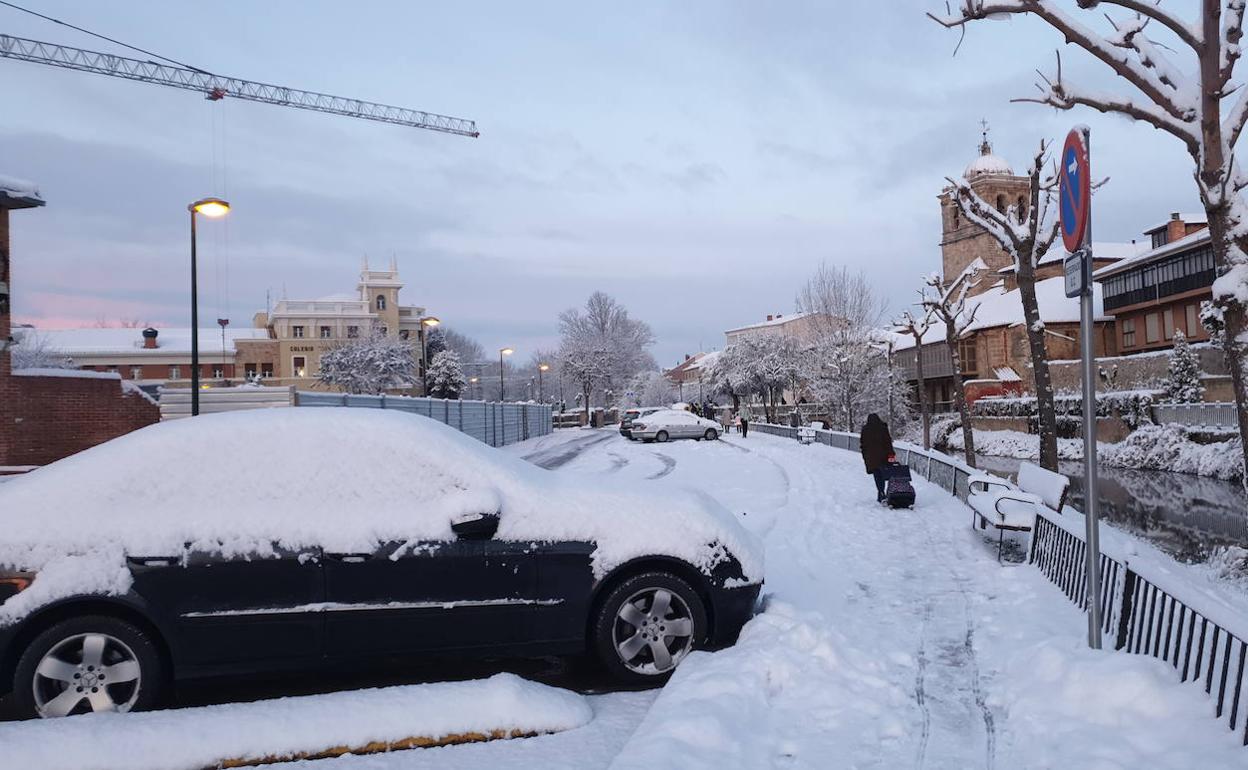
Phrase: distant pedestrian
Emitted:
{"points": [[725, 419], [744, 422], [877, 446]]}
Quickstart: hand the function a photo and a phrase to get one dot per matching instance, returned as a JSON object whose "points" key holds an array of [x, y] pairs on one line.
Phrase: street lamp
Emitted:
{"points": [[502, 384], [213, 208], [541, 393], [472, 381], [430, 322]]}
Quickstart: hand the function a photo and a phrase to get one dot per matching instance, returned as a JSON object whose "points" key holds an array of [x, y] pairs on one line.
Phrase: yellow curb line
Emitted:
{"points": [[376, 747]]}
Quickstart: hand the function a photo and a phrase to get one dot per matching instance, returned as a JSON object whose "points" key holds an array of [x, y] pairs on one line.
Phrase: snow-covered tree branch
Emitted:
{"points": [[949, 304], [369, 365]]}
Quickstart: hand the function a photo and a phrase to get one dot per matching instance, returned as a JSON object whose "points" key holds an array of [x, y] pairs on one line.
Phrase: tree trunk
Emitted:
{"points": [[1235, 332], [924, 411], [1040, 366], [959, 394]]}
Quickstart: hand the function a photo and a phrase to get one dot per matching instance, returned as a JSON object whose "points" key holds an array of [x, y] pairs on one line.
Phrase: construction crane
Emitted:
{"points": [[216, 87]]}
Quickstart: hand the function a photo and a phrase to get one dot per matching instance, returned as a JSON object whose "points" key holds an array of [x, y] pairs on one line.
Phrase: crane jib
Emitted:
{"points": [[215, 87]]}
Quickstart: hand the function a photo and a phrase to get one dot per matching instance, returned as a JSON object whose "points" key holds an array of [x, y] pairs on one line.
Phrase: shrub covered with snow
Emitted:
{"points": [[1135, 407], [1170, 448], [345, 480], [1183, 383]]}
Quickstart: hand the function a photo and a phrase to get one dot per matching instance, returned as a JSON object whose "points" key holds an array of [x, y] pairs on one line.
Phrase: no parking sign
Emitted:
{"points": [[1074, 193]]}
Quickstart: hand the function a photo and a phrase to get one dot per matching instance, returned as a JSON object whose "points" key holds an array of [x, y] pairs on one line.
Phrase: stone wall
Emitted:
{"points": [[1143, 371]]}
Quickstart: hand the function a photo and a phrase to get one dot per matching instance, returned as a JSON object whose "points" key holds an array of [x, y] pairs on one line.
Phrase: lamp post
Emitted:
{"points": [[541, 392], [502, 384], [428, 322], [472, 381], [212, 208], [223, 322]]}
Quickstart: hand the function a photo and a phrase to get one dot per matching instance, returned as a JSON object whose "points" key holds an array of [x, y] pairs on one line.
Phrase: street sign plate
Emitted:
{"points": [[1075, 274], [1074, 190]]}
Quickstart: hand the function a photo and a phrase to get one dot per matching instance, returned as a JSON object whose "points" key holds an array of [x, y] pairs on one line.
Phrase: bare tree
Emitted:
{"points": [[602, 346], [34, 351], [1026, 234], [949, 305], [915, 326], [1202, 106]]}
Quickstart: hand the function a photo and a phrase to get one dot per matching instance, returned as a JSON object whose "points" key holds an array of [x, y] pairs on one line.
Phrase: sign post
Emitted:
{"points": [[1075, 207]]}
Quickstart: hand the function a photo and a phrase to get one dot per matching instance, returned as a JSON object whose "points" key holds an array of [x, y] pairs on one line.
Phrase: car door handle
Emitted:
{"points": [[151, 561], [350, 558]]}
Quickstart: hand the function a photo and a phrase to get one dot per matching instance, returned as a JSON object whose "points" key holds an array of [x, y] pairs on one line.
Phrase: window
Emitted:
{"points": [[1001, 203], [1161, 238], [266, 370], [353, 332], [136, 372], [1167, 323], [1193, 320], [956, 216], [113, 369], [249, 370], [326, 332], [1152, 328], [381, 301], [1021, 209], [1128, 332], [968, 353], [299, 366], [175, 372], [296, 332], [218, 371]]}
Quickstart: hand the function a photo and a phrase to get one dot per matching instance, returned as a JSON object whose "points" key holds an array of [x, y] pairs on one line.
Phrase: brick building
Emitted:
{"points": [[49, 414]]}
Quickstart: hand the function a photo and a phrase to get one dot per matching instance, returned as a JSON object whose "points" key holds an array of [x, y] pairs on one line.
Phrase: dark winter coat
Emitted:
{"points": [[876, 443]]}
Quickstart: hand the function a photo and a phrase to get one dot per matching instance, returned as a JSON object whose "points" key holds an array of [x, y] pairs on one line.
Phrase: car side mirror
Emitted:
{"points": [[475, 526]]}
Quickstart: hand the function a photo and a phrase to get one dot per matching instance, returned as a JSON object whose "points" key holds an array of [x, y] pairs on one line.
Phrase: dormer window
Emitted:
{"points": [[1001, 204], [381, 302]]}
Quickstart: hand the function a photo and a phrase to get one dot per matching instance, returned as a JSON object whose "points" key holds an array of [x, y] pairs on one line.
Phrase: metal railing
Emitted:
{"points": [[1150, 620], [1145, 618], [493, 423], [1211, 415]]}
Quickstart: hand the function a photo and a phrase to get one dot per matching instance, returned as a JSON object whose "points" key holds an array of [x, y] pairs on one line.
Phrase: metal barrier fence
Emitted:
{"points": [[1199, 415], [1150, 620], [1145, 618], [493, 423]]}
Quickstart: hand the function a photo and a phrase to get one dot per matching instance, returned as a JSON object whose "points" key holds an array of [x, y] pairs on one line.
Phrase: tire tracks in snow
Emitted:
{"points": [[669, 465], [563, 454], [920, 690]]}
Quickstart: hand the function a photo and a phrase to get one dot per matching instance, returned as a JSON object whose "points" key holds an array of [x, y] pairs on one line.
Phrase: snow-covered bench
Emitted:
{"points": [[998, 503], [806, 434]]}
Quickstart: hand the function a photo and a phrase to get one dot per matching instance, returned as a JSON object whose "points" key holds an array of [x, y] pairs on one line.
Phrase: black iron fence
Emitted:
{"points": [[1142, 617]]}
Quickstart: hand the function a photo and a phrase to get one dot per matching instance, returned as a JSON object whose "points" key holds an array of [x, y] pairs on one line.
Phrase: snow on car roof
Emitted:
{"points": [[338, 478]]}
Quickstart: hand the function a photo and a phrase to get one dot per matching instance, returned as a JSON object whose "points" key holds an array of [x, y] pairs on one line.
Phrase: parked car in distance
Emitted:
{"points": [[367, 535], [632, 415], [667, 424]]}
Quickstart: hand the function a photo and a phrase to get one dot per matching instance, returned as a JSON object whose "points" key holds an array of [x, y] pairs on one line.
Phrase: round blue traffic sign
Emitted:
{"points": [[1074, 191]]}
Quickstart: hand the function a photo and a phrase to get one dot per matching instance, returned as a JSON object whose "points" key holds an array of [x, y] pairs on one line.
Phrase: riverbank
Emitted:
{"points": [[1151, 447]]}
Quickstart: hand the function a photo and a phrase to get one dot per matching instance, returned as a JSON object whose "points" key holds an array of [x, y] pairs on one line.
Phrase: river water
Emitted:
{"points": [[1182, 514]]}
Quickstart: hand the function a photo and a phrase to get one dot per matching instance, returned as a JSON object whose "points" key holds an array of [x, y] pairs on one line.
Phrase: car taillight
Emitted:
{"points": [[12, 585]]}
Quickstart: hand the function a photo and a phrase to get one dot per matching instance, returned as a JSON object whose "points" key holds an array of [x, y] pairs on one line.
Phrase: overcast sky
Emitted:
{"points": [[697, 160]]}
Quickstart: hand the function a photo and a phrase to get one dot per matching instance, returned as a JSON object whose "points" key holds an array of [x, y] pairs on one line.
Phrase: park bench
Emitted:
{"points": [[997, 503], [806, 434]]}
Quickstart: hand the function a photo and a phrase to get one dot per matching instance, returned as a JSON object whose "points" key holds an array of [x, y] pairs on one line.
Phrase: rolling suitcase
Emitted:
{"points": [[898, 491]]}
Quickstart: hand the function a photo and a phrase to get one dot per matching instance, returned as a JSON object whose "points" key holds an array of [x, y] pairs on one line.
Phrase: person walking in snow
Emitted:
{"points": [[876, 444], [744, 422]]}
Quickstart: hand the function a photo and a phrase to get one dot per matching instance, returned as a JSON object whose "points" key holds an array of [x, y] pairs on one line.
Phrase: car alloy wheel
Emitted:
{"points": [[711, 435], [653, 631], [661, 436], [86, 665]]}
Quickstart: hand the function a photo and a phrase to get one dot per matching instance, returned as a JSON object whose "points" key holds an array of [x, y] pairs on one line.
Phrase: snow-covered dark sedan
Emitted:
{"points": [[291, 538]]}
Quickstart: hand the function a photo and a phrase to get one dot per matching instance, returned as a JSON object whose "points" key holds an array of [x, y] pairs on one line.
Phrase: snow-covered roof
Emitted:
{"points": [[705, 360], [1007, 374], [345, 480], [1100, 250], [987, 163], [1190, 240], [1005, 308], [1200, 218], [86, 342], [20, 192], [779, 320]]}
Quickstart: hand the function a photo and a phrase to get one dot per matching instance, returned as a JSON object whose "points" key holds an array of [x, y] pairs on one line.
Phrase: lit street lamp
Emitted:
{"points": [[430, 322], [502, 384], [472, 381], [541, 393], [213, 208]]}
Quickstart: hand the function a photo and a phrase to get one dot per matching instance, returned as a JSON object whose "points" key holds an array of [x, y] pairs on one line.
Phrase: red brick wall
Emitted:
{"points": [[47, 418]]}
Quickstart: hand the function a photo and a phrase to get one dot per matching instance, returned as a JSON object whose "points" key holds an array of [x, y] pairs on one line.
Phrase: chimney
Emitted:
{"points": [[1175, 228], [149, 337], [687, 356], [779, 316], [769, 316]]}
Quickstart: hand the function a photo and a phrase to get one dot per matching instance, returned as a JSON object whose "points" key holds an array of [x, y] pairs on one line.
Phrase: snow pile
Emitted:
{"points": [[1168, 448], [338, 478], [78, 374], [12, 184], [1013, 443], [1064, 703], [194, 738], [734, 709]]}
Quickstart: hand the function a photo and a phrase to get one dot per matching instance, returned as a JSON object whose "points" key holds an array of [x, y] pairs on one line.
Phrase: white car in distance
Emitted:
{"points": [[668, 424]]}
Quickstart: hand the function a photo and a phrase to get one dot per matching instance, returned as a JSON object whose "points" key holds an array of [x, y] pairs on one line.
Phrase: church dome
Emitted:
{"points": [[988, 163]]}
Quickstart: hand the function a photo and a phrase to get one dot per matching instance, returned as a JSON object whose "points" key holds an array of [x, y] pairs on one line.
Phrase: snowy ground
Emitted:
{"points": [[890, 639]]}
